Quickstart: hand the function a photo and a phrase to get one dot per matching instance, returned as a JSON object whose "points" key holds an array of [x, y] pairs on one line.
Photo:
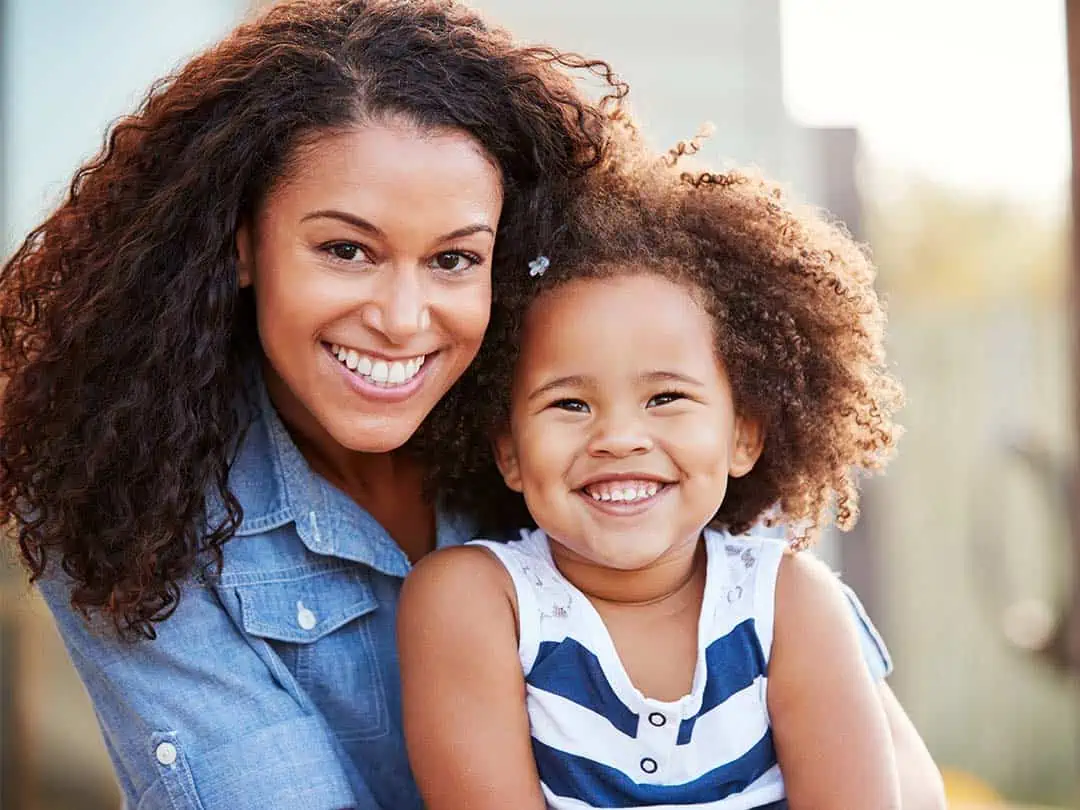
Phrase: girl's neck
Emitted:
{"points": [[678, 573]]}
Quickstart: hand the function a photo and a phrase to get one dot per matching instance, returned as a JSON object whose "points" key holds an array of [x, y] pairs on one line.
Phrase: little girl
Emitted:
{"points": [[697, 356]]}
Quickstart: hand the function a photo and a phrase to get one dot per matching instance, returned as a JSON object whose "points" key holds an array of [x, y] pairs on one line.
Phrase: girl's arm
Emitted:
{"points": [[463, 690], [831, 734]]}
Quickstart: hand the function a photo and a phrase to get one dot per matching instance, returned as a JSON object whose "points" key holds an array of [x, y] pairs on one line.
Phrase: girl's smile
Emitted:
{"points": [[625, 495]]}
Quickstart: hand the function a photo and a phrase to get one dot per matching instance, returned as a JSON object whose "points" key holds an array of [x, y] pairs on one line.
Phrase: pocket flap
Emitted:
{"points": [[305, 609]]}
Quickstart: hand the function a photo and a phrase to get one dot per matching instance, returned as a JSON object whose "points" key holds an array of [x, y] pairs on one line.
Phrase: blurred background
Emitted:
{"points": [[938, 130]]}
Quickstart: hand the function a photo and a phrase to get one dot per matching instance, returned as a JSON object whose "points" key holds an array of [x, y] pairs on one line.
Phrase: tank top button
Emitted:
{"points": [[649, 765], [657, 719]]}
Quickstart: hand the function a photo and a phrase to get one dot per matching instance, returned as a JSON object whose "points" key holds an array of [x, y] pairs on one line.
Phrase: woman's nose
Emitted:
{"points": [[398, 308]]}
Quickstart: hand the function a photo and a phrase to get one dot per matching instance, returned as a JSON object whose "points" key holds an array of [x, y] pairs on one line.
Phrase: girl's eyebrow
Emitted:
{"points": [[572, 381], [669, 376], [585, 381]]}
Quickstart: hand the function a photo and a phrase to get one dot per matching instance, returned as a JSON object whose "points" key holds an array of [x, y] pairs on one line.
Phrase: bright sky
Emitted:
{"points": [[970, 92]]}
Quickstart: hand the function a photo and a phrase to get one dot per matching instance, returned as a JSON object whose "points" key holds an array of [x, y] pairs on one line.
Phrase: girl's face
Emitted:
{"points": [[371, 268], [623, 431]]}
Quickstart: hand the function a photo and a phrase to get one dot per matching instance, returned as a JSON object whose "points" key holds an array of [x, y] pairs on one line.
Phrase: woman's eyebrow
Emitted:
{"points": [[363, 225], [343, 216], [468, 230]]}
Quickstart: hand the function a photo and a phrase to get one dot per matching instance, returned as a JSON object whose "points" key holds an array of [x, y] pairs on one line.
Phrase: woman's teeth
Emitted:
{"points": [[378, 371], [623, 491]]}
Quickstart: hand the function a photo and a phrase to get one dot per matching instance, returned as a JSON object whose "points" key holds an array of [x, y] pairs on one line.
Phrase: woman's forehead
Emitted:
{"points": [[396, 171]]}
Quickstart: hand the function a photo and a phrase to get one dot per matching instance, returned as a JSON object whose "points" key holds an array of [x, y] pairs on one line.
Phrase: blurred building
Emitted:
{"points": [[687, 62]]}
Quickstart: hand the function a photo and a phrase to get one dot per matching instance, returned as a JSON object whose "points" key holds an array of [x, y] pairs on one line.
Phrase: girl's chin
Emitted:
{"points": [[613, 558]]}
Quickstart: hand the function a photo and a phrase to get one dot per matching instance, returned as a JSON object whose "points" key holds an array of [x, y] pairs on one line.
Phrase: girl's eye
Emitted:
{"points": [[345, 251], [454, 262], [572, 405], [665, 398]]}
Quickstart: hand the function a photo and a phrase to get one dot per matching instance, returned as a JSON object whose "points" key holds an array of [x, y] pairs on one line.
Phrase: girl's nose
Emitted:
{"points": [[620, 437]]}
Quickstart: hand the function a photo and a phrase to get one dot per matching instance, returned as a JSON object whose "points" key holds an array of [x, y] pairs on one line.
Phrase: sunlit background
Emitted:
{"points": [[938, 130]]}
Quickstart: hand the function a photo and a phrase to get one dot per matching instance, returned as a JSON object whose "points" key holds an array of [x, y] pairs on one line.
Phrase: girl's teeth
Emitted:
{"points": [[624, 494], [352, 359], [397, 373], [364, 366], [380, 372]]}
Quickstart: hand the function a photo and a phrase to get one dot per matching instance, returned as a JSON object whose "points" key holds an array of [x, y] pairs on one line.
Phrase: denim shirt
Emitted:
{"points": [[275, 684]]}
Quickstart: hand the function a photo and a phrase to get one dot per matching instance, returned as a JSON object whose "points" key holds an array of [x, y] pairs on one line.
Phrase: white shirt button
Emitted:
{"points": [[166, 753], [304, 617]]}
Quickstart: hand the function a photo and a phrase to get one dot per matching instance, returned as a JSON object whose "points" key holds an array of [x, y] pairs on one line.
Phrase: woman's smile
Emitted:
{"points": [[383, 378]]}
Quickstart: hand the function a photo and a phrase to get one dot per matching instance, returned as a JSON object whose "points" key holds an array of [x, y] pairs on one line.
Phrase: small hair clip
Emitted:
{"points": [[539, 265]]}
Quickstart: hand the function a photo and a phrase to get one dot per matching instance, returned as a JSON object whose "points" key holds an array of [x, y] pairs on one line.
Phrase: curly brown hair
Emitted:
{"points": [[798, 326], [123, 333]]}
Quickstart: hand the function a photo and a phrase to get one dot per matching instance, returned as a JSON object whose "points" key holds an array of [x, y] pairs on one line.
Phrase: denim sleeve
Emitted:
{"points": [[874, 650], [197, 719]]}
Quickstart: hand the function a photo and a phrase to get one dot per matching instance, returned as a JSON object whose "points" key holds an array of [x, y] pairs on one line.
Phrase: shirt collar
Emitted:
{"points": [[276, 486]]}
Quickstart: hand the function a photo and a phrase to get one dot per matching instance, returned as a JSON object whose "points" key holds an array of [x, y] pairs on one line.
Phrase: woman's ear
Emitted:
{"points": [[747, 447], [245, 253], [506, 459]]}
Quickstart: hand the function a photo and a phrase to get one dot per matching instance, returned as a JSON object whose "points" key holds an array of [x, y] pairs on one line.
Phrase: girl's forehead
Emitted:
{"points": [[646, 294], [640, 308]]}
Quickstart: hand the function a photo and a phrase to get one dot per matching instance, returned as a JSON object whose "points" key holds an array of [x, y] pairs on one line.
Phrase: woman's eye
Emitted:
{"points": [[454, 262], [665, 398], [572, 405], [345, 251]]}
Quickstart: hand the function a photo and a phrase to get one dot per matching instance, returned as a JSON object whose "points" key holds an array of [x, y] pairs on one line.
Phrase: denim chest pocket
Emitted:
{"points": [[325, 629]]}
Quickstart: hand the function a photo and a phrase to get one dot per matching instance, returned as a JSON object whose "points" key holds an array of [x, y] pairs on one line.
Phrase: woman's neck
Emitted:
{"points": [[678, 573], [388, 485]]}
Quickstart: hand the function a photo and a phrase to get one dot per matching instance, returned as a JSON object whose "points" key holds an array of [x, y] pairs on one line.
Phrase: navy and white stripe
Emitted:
{"points": [[599, 742]]}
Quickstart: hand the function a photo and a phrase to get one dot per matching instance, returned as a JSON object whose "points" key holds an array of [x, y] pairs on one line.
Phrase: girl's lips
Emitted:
{"points": [[625, 508], [382, 393]]}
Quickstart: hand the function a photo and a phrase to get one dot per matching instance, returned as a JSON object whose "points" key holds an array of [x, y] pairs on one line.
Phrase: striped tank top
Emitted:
{"points": [[598, 741]]}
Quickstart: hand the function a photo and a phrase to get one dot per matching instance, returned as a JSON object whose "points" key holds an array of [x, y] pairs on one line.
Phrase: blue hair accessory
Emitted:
{"points": [[538, 266]]}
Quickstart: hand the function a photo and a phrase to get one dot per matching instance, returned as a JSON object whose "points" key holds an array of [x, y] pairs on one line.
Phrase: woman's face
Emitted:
{"points": [[371, 268]]}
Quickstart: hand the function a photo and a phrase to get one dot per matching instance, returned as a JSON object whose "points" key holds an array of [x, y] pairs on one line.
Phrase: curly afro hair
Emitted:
{"points": [[123, 333], [798, 326]]}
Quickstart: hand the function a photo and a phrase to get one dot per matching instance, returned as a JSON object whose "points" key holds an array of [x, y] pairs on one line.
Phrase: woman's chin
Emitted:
{"points": [[377, 435]]}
